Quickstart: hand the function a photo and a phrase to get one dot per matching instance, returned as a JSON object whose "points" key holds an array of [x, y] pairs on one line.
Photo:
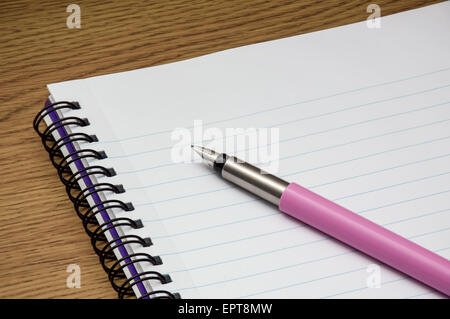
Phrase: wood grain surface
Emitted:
{"points": [[40, 234]]}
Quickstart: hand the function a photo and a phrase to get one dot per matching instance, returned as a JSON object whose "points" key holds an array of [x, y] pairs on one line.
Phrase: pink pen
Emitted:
{"points": [[334, 220]]}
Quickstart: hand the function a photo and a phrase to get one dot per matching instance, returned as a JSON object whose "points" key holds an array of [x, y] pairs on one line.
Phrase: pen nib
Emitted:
{"points": [[207, 154]]}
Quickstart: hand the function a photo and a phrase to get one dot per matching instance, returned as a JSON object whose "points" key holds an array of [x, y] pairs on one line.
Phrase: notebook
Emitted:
{"points": [[359, 115]]}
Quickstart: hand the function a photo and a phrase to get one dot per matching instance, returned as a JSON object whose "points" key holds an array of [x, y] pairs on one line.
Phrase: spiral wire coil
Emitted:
{"points": [[88, 214]]}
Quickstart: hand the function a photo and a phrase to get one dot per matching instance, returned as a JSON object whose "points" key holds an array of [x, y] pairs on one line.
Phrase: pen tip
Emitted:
{"points": [[207, 154], [197, 149]]}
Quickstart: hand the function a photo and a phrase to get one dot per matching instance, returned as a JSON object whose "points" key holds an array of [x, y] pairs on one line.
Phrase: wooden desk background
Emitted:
{"points": [[40, 234]]}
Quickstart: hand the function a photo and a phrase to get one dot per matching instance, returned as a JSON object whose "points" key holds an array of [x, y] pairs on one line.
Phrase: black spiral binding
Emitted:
{"points": [[103, 248]]}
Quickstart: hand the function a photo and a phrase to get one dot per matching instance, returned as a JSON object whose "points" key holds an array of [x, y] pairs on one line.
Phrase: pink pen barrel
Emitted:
{"points": [[366, 236]]}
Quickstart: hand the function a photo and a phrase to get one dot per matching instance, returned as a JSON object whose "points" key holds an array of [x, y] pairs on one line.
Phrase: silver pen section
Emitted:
{"points": [[245, 175]]}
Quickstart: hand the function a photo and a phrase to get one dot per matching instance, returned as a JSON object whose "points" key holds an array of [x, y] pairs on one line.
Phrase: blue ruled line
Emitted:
{"points": [[296, 172], [284, 106], [279, 249], [309, 134], [276, 212], [289, 156], [300, 283], [311, 187], [284, 248], [385, 283]]}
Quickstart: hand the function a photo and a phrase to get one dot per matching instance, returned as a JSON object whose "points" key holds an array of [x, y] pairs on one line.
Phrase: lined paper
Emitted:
{"points": [[364, 120]]}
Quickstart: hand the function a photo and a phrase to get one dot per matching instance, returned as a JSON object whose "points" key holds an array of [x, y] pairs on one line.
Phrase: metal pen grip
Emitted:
{"points": [[254, 180]]}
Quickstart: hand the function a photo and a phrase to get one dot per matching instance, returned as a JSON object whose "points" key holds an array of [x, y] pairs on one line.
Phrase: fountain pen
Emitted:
{"points": [[334, 220]]}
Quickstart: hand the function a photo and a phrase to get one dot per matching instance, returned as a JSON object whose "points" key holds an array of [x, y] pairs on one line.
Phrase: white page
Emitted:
{"points": [[364, 120]]}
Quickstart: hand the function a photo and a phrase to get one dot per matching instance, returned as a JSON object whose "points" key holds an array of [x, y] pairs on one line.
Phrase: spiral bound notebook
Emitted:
{"points": [[363, 117]]}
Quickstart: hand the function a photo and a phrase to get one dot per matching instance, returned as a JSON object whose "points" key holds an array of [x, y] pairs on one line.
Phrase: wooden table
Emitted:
{"points": [[40, 232]]}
